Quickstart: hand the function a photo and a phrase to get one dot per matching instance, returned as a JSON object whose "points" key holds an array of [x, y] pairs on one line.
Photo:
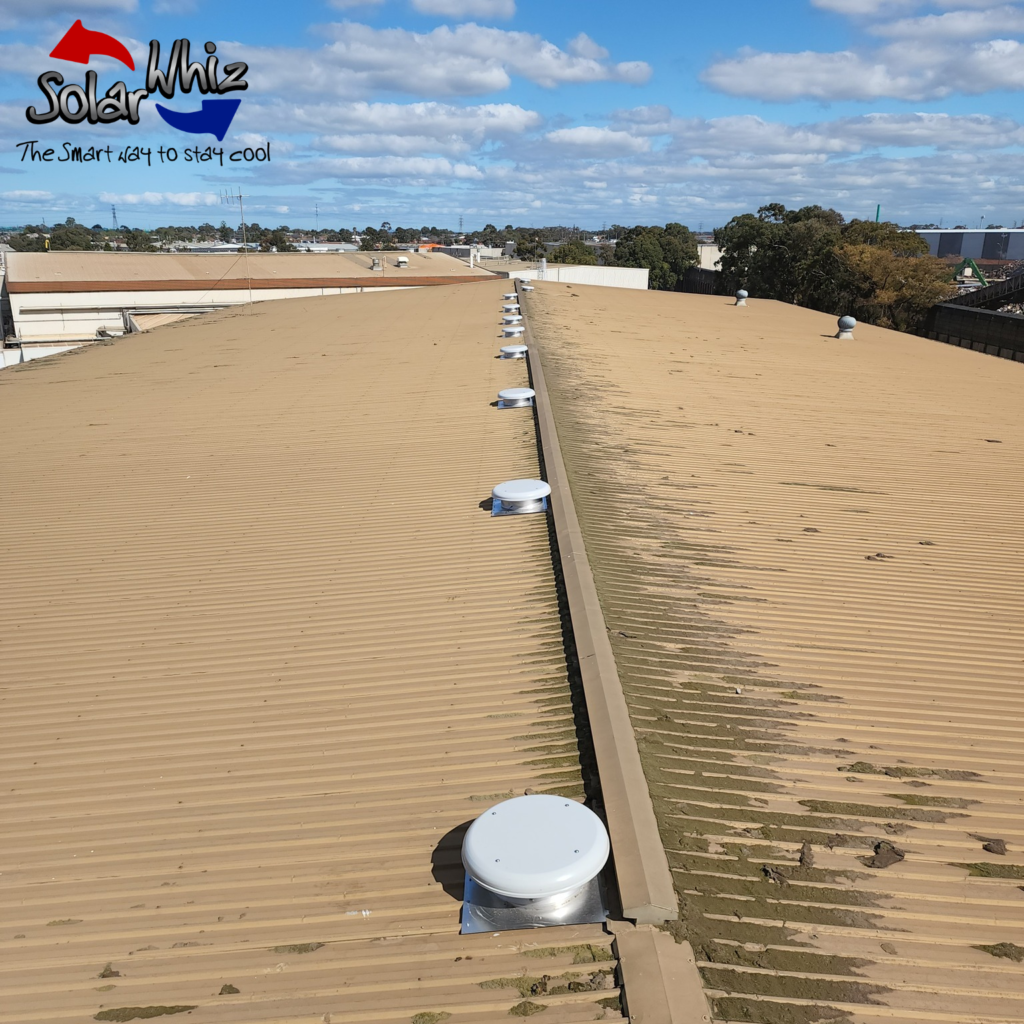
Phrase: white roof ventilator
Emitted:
{"points": [[534, 862], [516, 398], [518, 497]]}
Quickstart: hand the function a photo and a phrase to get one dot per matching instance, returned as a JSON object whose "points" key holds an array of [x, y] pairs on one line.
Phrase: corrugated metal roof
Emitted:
{"points": [[124, 268], [264, 655], [810, 556], [151, 321]]}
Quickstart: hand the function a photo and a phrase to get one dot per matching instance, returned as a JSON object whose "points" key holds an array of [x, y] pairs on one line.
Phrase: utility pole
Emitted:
{"points": [[231, 198], [316, 229]]}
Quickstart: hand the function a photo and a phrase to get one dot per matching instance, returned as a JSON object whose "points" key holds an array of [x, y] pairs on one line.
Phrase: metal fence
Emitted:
{"points": [[983, 330], [700, 282]]}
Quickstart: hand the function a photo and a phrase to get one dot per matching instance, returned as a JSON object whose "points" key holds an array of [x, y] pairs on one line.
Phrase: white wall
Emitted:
{"points": [[709, 255], [77, 316], [14, 356], [607, 277]]}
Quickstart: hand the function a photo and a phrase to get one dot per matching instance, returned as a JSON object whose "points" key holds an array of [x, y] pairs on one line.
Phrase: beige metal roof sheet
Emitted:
{"points": [[810, 556], [263, 657], [150, 321], [124, 268]]}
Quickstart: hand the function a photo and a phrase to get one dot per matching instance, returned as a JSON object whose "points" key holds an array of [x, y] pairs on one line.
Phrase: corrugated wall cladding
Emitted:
{"points": [[263, 656], [810, 556]]}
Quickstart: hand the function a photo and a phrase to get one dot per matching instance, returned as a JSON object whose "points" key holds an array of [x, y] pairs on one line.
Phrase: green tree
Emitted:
{"points": [[138, 240], [811, 257], [278, 240], [71, 235], [666, 252], [573, 252], [30, 239], [891, 289], [529, 246], [371, 240], [225, 233]]}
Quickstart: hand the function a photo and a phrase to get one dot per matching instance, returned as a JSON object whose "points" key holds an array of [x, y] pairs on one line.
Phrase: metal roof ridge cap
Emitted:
{"points": [[644, 879], [666, 985]]}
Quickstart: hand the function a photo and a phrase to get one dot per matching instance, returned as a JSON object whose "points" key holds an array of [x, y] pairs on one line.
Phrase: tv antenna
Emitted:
{"points": [[229, 198]]}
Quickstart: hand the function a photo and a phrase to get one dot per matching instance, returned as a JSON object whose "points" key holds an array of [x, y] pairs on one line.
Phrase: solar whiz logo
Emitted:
{"points": [[76, 103]]}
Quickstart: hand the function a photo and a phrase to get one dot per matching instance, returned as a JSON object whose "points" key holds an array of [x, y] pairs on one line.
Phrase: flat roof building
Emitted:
{"points": [[76, 296]]}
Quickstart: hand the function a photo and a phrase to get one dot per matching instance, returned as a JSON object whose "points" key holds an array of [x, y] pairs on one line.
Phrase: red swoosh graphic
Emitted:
{"points": [[80, 43]]}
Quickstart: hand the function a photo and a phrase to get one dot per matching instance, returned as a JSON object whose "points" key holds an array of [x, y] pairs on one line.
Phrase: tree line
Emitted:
{"points": [[809, 257], [813, 257]]}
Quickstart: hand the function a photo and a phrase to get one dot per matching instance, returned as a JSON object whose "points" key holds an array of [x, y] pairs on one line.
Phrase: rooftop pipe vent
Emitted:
{"points": [[513, 330], [510, 307], [511, 318], [376, 264], [513, 351], [510, 296], [741, 298], [516, 398], [534, 862], [846, 326], [517, 497]]}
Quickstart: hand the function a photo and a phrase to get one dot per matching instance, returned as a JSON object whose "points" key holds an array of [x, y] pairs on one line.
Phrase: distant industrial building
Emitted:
{"points": [[989, 244], [57, 300], [567, 273], [709, 255]]}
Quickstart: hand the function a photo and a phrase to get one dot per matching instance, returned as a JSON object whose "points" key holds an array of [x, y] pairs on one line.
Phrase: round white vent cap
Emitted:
{"points": [[521, 490], [535, 847], [516, 394], [516, 351]]}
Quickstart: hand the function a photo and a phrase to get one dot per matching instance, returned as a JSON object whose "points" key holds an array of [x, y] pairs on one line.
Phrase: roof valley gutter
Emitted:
{"points": [[660, 977]]}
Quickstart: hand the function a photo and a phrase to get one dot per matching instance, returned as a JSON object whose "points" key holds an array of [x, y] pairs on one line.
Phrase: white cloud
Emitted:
{"points": [[583, 46], [862, 7], [955, 25], [598, 141], [871, 8], [920, 72], [400, 129], [24, 195], [161, 198], [385, 170], [474, 123], [466, 8], [15, 11], [395, 145], [726, 137], [465, 60]]}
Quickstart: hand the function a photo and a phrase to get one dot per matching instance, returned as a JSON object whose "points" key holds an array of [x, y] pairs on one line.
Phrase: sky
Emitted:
{"points": [[535, 112]]}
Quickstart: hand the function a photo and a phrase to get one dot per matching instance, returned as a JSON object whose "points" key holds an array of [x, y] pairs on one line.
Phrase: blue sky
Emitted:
{"points": [[543, 111]]}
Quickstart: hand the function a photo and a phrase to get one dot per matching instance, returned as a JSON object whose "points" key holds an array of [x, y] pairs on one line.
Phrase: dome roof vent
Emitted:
{"points": [[534, 862], [518, 497]]}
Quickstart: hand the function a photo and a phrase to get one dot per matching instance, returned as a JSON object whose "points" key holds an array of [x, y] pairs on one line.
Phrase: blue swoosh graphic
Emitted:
{"points": [[214, 118]]}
